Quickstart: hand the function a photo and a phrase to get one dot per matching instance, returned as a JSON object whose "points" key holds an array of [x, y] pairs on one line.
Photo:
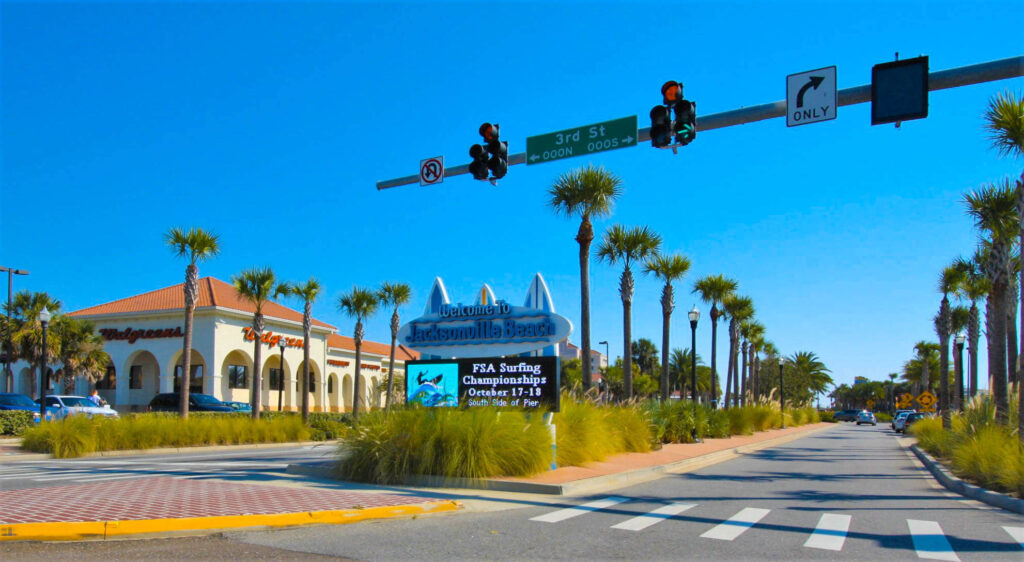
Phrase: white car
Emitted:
{"points": [[77, 405], [900, 420]]}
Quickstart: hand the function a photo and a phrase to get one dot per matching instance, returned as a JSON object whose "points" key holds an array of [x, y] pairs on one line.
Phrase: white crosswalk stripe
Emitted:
{"points": [[1017, 533], [929, 541], [657, 516], [737, 524], [563, 514], [830, 534]]}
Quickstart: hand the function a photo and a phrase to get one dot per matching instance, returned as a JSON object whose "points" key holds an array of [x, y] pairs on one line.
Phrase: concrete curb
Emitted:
{"points": [[607, 482], [164, 450], [79, 530], [955, 484]]}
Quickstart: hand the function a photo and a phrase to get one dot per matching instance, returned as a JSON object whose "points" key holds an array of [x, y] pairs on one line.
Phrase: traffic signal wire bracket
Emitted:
{"points": [[991, 71]]}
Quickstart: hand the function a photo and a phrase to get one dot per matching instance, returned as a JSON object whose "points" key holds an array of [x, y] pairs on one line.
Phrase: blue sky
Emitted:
{"points": [[270, 124]]}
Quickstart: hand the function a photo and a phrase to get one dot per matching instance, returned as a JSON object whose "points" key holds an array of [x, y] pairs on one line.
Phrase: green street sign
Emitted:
{"points": [[588, 139]]}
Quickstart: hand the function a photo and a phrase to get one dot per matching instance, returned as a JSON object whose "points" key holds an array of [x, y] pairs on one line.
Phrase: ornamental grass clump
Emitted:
{"points": [[741, 421], [473, 443], [582, 432], [672, 421]]}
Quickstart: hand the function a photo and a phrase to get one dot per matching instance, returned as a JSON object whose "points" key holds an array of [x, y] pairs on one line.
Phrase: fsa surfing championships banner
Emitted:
{"points": [[530, 383]]}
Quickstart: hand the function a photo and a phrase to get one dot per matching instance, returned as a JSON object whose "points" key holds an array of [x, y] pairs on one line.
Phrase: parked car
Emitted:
{"points": [[170, 401], [14, 401], [897, 421], [866, 417], [912, 418], [846, 415], [239, 406], [66, 405]]}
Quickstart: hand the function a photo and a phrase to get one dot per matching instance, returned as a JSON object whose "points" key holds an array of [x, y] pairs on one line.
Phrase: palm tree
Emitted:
{"points": [[750, 330], [973, 287], [80, 349], [256, 285], [993, 208], [359, 304], [645, 355], [679, 370], [738, 309], [626, 246], [196, 245], [668, 268], [949, 280], [308, 292], [393, 294], [27, 332], [810, 376], [714, 289], [917, 371], [960, 318], [585, 192]]}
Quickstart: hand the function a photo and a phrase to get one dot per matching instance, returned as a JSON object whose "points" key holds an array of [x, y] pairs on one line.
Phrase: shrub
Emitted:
{"points": [[718, 424], [14, 422], [672, 421], [828, 416], [741, 420], [932, 438], [582, 433], [883, 417]]}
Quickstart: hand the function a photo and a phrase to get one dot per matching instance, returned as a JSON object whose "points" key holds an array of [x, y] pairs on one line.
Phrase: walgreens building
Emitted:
{"points": [[143, 339]]}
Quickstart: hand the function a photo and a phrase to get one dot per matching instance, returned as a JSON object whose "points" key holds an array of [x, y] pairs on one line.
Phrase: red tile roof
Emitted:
{"points": [[212, 292], [402, 353]]}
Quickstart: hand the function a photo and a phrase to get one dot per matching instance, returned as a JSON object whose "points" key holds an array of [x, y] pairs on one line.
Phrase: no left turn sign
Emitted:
{"points": [[432, 170]]}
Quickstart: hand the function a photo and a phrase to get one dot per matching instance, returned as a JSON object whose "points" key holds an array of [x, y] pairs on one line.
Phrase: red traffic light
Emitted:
{"points": [[672, 92], [489, 132]]}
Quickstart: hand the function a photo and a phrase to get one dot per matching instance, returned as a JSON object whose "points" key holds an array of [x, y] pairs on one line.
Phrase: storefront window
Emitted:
{"points": [[276, 382], [109, 380], [135, 377], [330, 385], [195, 383], [237, 376]]}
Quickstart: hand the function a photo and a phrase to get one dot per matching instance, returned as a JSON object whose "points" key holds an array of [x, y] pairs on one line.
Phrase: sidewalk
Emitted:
{"points": [[168, 505]]}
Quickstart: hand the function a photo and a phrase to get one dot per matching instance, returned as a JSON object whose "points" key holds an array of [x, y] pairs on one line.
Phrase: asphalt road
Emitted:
{"points": [[248, 465]]}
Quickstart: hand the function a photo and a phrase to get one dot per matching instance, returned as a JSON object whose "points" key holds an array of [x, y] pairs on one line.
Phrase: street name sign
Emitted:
{"points": [[811, 96], [578, 141]]}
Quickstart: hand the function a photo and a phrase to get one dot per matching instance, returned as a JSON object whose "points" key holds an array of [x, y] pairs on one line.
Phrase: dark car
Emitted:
{"points": [[911, 418], [170, 401], [846, 415], [15, 401]]}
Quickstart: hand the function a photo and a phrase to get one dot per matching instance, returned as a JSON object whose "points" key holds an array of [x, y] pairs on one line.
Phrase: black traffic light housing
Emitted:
{"points": [[683, 127], [492, 155]]}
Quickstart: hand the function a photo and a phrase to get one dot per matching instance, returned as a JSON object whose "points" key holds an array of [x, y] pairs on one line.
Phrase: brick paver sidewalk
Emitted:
{"points": [[166, 498]]}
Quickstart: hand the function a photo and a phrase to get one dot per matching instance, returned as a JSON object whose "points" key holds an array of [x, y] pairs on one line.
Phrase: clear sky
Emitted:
{"points": [[270, 124]]}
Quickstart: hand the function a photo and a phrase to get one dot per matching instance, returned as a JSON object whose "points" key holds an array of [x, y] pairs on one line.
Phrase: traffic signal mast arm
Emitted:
{"points": [[1003, 69]]}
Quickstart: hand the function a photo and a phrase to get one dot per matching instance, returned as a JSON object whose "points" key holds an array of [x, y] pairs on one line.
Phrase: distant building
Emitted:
{"points": [[598, 361], [859, 380]]}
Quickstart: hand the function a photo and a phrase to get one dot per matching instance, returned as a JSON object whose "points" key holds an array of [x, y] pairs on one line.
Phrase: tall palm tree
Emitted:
{"points": [[308, 292], [359, 304], [679, 369], [257, 286], [959, 319], [393, 294], [27, 332], [80, 350], [738, 309], [811, 374], [949, 280], [196, 245], [626, 246], [750, 330], [713, 289], [588, 193], [668, 268], [994, 210], [973, 287]]}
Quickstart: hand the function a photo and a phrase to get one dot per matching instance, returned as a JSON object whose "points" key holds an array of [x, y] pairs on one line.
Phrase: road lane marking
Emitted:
{"points": [[105, 478], [657, 516], [930, 542], [830, 534], [1017, 533], [15, 476], [736, 525], [62, 475], [563, 514]]}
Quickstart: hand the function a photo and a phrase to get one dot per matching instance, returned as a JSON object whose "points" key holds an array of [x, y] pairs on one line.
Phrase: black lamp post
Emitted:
{"points": [[280, 378], [694, 316], [9, 349], [782, 394], [44, 320], [960, 401]]}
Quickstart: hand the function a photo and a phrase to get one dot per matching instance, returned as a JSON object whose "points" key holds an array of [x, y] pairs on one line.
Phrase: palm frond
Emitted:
{"points": [[359, 303], [1004, 121], [668, 267], [585, 192], [714, 288]]}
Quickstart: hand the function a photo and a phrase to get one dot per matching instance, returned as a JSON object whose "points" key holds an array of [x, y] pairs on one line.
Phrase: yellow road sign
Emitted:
{"points": [[928, 409], [926, 399], [906, 399], [871, 404]]}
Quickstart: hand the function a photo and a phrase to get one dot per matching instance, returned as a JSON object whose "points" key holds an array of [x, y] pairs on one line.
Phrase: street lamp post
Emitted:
{"points": [[44, 320], [960, 402], [8, 348], [280, 378], [782, 394], [694, 315]]}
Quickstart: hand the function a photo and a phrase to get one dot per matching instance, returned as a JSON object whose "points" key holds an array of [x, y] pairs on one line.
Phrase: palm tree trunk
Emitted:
{"points": [[743, 375], [944, 329], [997, 267], [584, 237], [731, 365], [307, 327], [391, 360], [714, 343], [974, 337], [1019, 373], [191, 291], [356, 391], [626, 292], [667, 306], [257, 356], [1011, 329]]}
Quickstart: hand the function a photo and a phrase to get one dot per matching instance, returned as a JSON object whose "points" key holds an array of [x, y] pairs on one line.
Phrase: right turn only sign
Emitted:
{"points": [[811, 96]]}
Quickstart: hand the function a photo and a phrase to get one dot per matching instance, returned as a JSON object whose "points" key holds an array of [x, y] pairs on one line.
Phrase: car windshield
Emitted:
{"points": [[206, 400], [77, 401], [16, 400]]}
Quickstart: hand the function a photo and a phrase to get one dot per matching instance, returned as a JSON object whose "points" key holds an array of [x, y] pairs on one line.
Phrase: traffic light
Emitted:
{"points": [[685, 124], [661, 127], [478, 167], [498, 149]]}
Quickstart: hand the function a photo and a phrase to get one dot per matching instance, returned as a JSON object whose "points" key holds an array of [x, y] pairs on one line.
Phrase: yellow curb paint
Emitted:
{"points": [[108, 529]]}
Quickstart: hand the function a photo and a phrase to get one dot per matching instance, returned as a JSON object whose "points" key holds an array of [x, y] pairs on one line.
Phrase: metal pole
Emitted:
{"points": [[693, 376], [42, 378], [962, 402], [953, 78], [8, 372], [280, 378]]}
